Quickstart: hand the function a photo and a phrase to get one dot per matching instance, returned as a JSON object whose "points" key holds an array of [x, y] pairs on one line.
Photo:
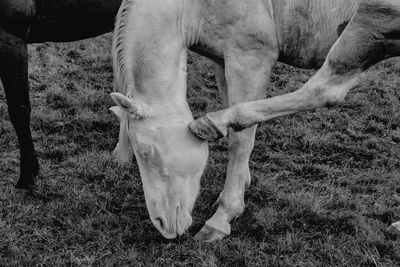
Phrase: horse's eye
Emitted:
{"points": [[146, 152], [146, 155]]}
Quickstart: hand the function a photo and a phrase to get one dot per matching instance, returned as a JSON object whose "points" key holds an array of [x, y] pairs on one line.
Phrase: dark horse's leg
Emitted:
{"points": [[14, 75]]}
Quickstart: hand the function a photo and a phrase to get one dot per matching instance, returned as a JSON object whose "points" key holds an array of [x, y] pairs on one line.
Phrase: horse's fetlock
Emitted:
{"points": [[233, 207]]}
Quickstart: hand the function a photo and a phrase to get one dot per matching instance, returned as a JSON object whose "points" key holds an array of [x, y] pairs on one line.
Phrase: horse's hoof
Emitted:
{"points": [[205, 129], [395, 227], [209, 234], [22, 190], [22, 193], [26, 189]]}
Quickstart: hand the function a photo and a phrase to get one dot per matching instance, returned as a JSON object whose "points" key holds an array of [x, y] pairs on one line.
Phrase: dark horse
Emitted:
{"points": [[34, 21]]}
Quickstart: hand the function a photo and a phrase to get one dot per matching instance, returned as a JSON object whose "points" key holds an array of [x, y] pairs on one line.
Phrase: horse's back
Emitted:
{"points": [[71, 20]]}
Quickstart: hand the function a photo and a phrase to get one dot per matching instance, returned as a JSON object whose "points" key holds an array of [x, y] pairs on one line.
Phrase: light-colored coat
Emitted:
{"points": [[245, 38]]}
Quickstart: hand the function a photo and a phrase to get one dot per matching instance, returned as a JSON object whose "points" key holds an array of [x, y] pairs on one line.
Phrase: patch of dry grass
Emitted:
{"points": [[326, 184]]}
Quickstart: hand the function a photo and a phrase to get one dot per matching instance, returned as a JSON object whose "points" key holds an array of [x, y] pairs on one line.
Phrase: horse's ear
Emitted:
{"points": [[127, 105], [122, 151], [118, 111]]}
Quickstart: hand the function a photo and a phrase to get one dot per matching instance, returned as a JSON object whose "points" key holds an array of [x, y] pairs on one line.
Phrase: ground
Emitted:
{"points": [[325, 187]]}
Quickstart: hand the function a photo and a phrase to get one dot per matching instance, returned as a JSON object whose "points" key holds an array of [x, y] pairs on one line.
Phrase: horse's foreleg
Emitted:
{"points": [[245, 79], [14, 75]]}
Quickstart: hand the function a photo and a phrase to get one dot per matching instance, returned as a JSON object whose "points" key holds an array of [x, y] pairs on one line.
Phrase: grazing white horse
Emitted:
{"points": [[244, 38]]}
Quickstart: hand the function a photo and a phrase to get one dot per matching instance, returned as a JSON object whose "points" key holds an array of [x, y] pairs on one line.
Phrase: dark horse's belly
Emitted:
{"points": [[65, 31], [57, 20], [70, 20]]}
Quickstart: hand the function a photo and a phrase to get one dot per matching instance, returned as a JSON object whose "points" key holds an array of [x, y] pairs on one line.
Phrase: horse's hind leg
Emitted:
{"points": [[14, 75]]}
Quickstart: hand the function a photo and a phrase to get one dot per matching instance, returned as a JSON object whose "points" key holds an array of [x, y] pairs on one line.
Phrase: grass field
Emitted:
{"points": [[325, 186]]}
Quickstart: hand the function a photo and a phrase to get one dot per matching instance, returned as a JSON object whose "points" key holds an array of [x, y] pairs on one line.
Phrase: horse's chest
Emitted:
{"points": [[235, 27]]}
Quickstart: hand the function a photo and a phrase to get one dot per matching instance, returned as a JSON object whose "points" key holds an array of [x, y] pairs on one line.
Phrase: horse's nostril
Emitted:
{"points": [[162, 226], [160, 222]]}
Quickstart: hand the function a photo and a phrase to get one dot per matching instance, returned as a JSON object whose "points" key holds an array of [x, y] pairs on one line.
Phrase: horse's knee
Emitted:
{"points": [[324, 96], [327, 89]]}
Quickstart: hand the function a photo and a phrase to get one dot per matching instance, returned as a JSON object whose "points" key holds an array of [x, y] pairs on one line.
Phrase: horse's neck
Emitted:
{"points": [[150, 59], [308, 28]]}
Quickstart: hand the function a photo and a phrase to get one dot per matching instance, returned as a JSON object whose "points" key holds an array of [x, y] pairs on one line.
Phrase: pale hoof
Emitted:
{"points": [[395, 227], [209, 234], [205, 129]]}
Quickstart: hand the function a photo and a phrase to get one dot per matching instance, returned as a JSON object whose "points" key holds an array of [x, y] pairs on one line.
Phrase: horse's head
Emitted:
{"points": [[171, 161]]}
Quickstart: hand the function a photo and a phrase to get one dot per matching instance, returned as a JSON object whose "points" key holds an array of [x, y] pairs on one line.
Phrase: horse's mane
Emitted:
{"points": [[122, 78]]}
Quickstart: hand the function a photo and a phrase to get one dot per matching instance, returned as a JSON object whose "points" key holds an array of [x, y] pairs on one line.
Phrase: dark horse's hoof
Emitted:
{"points": [[25, 190], [27, 187]]}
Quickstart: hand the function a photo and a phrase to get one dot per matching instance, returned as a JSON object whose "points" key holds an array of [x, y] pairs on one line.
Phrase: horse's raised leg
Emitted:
{"points": [[14, 75], [245, 79], [366, 40]]}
